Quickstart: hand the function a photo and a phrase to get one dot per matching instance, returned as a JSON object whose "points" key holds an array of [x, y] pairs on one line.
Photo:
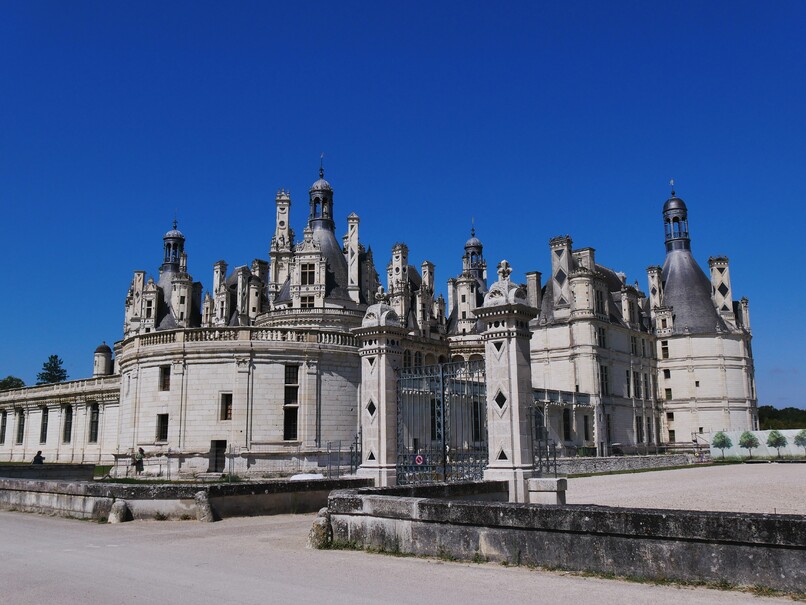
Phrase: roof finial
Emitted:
{"points": [[671, 184], [321, 165], [472, 226]]}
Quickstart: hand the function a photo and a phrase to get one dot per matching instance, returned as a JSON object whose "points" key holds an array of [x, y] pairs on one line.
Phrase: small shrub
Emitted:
{"points": [[749, 442], [158, 516]]}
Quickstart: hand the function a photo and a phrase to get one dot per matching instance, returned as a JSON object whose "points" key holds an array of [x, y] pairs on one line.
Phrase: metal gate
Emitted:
{"points": [[441, 423]]}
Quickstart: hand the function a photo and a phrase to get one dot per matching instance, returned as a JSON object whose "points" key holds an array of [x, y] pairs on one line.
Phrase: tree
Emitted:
{"points": [[722, 442], [52, 371], [748, 441], [800, 439], [776, 440], [11, 382]]}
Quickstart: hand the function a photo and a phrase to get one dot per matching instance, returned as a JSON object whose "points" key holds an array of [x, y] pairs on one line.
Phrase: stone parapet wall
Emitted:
{"points": [[579, 466], [93, 500], [737, 548], [51, 472]]}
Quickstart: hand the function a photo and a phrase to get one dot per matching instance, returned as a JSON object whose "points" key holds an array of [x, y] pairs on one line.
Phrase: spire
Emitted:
{"points": [[322, 165]]}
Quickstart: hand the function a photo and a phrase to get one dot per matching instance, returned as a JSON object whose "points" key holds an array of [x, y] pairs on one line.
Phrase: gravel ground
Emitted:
{"points": [[757, 488]]}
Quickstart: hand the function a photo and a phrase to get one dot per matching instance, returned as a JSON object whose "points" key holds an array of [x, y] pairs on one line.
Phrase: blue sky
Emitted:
{"points": [[532, 119]]}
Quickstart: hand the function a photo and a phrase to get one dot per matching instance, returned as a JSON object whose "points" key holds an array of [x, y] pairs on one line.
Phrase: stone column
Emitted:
{"points": [[381, 353], [506, 314]]}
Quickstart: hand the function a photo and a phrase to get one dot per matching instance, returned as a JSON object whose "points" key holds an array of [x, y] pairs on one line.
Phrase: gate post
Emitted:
{"points": [[381, 353], [506, 314]]}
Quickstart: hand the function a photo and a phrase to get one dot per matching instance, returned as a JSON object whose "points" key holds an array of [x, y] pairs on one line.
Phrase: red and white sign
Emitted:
{"points": [[418, 459]]}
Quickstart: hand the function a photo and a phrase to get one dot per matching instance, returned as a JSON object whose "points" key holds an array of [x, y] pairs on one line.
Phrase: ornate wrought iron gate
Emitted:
{"points": [[441, 423]]}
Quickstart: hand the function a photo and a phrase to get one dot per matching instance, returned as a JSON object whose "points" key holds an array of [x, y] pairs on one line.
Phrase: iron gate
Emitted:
{"points": [[441, 423]]}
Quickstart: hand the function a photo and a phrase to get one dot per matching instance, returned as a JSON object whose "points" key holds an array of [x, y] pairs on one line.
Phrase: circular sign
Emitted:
{"points": [[418, 459]]}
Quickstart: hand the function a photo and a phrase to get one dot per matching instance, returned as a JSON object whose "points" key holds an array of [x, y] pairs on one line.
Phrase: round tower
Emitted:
{"points": [[321, 200], [102, 361]]}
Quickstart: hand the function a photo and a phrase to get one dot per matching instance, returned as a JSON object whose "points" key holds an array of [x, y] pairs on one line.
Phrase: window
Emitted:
{"points": [[599, 302], [636, 386], [567, 424], [663, 323], [406, 359], [604, 380], [478, 420], [671, 436], [94, 417], [226, 406], [696, 383], [648, 429], [149, 308], [67, 432], [165, 378], [639, 429], [418, 359], [647, 392], [162, 427], [633, 345], [669, 416], [291, 403], [181, 300], [664, 349], [3, 422], [586, 426], [668, 394], [643, 348], [43, 427], [667, 374], [306, 302], [307, 274], [20, 426], [463, 298], [601, 337]]}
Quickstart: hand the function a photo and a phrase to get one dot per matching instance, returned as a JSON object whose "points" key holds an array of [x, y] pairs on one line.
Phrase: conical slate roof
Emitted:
{"points": [[687, 290]]}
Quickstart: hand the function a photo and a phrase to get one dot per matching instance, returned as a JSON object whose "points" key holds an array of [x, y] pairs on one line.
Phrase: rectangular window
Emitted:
{"points": [[586, 426], [601, 337], [20, 426], [307, 274], [463, 298], [668, 394], [627, 384], [291, 403], [663, 323], [643, 348], [43, 427], [599, 302], [667, 374], [95, 414], [149, 309], [639, 429], [647, 392], [306, 302], [181, 300], [670, 416], [567, 424], [477, 420], [636, 386], [226, 406], [67, 431], [3, 422], [165, 378], [671, 436], [696, 383], [162, 427], [648, 429], [664, 349], [633, 345], [604, 380]]}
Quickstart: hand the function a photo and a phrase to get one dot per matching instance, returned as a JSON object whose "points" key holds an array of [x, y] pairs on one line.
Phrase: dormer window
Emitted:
{"points": [[307, 274]]}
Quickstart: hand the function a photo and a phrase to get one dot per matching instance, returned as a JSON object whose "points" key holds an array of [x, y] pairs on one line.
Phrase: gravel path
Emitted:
{"points": [[758, 488]]}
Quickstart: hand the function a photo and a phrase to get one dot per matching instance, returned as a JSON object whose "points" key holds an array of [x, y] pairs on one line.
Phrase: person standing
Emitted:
{"points": [[138, 461], [39, 458]]}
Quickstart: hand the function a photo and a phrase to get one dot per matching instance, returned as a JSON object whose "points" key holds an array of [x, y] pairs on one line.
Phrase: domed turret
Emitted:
{"points": [[675, 222], [102, 361], [174, 246]]}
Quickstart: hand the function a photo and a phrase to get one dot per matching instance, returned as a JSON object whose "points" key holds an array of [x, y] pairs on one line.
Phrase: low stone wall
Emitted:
{"points": [[742, 549], [50, 472], [579, 466], [93, 500]]}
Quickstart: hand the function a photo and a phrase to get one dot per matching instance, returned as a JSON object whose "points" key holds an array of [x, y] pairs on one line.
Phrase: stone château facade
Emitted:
{"points": [[267, 365]]}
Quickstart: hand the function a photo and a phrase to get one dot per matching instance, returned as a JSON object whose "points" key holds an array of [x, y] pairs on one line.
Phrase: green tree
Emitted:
{"points": [[800, 440], [776, 440], [11, 382], [52, 371], [748, 441], [722, 442]]}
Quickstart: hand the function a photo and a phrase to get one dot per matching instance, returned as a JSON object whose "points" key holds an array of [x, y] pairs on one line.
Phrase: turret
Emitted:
{"points": [[173, 249], [321, 202], [675, 222], [102, 361]]}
